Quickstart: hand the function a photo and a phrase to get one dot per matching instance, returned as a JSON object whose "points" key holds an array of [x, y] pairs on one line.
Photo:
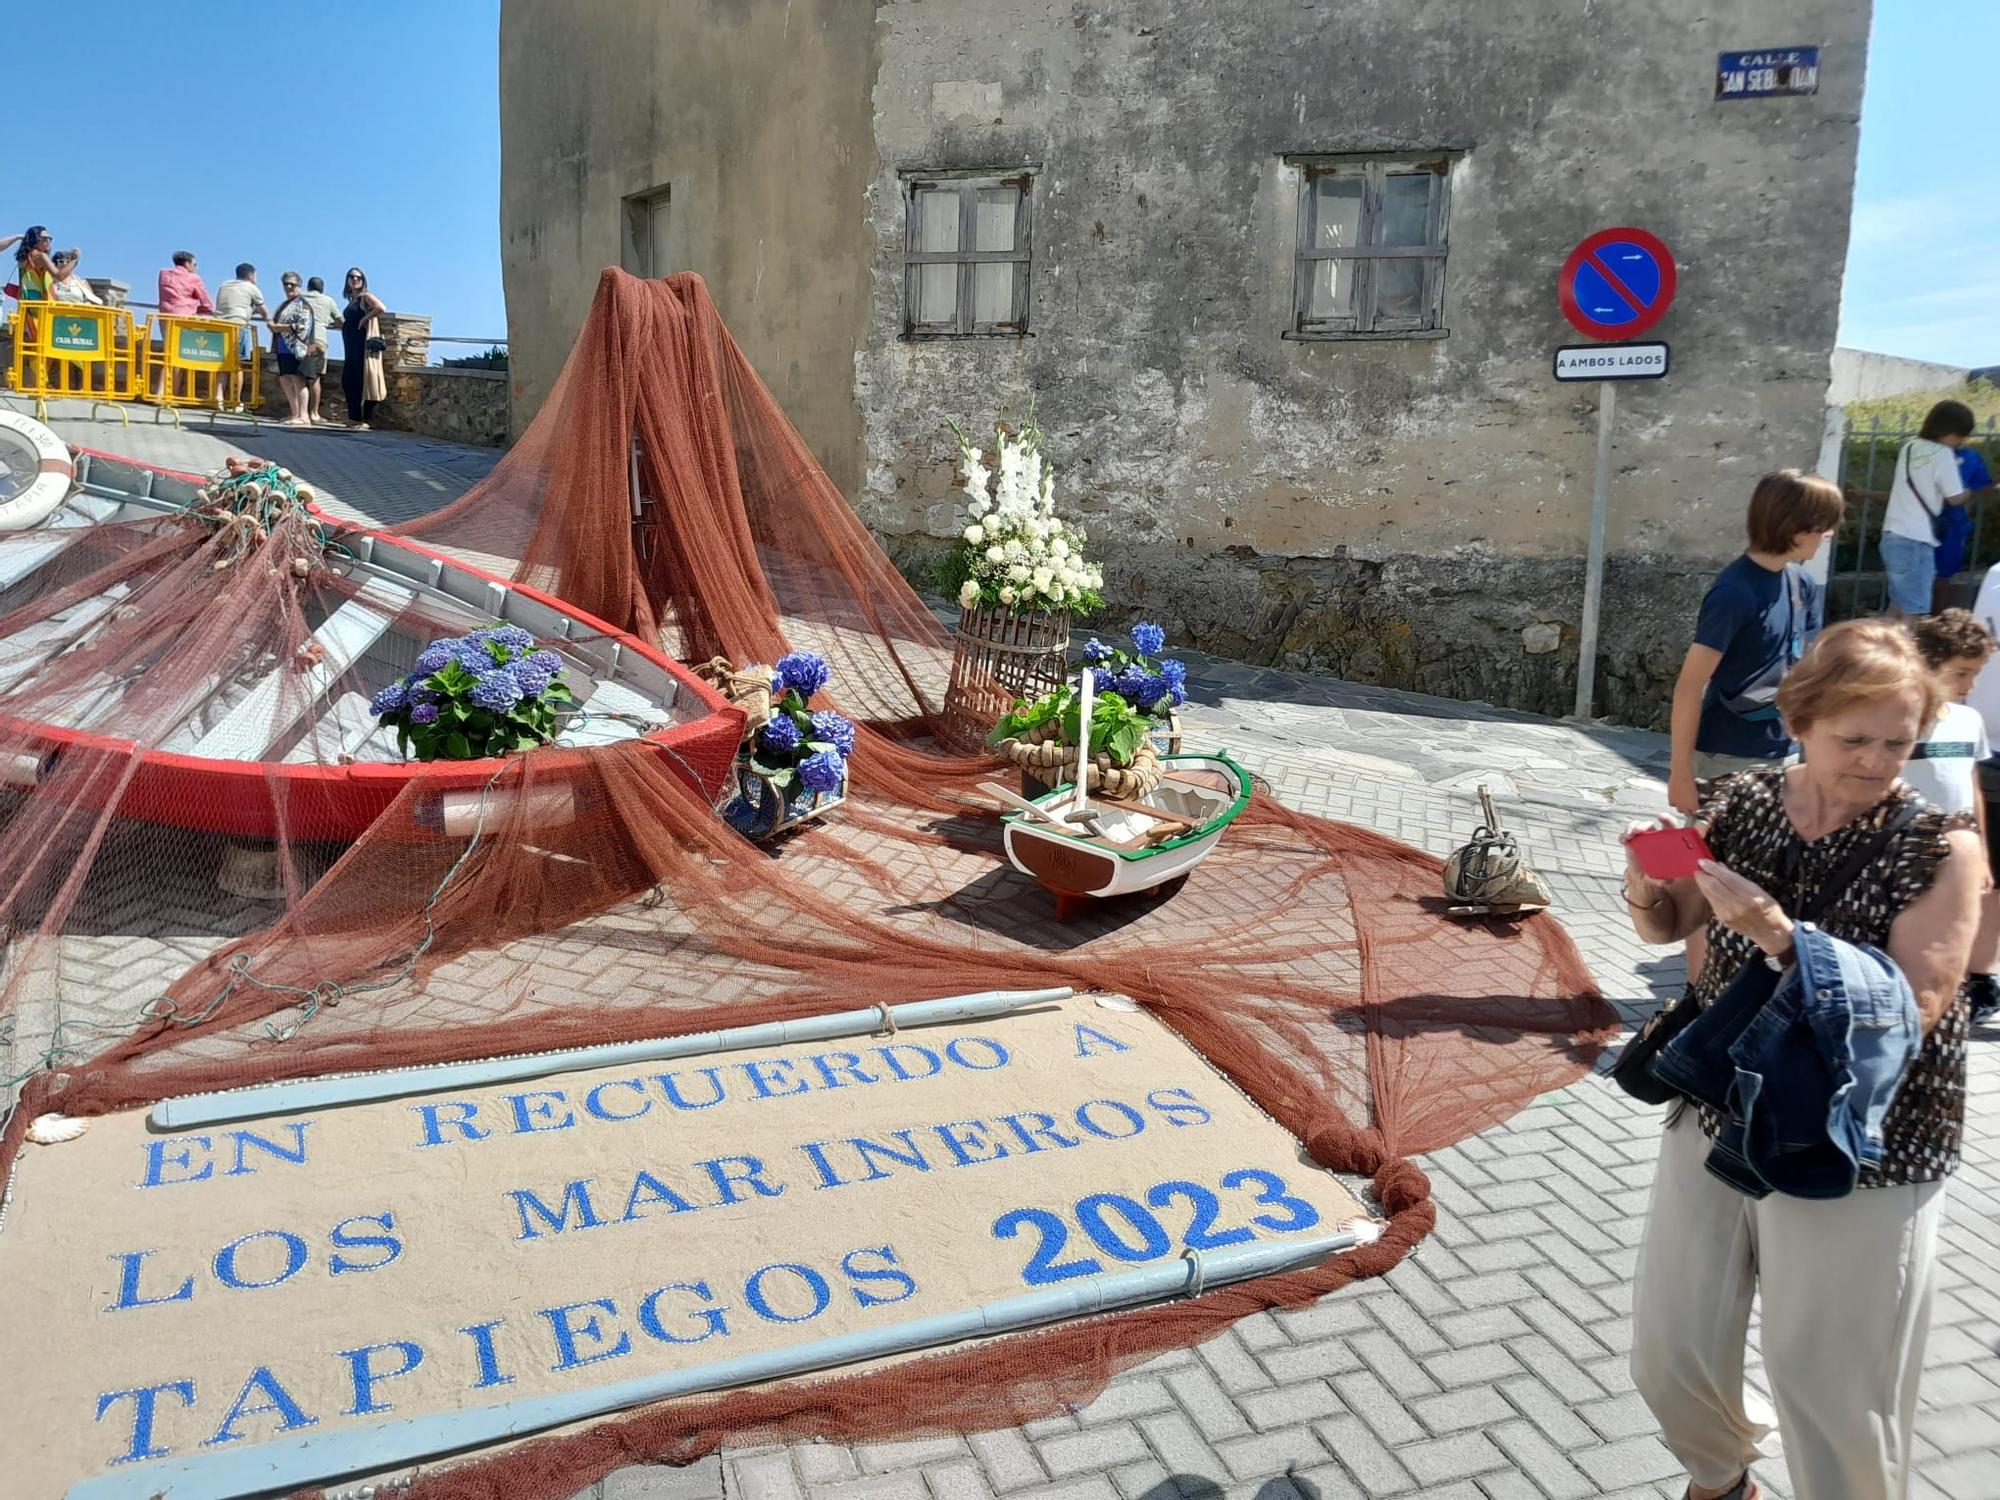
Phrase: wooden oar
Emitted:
{"points": [[1019, 803], [1157, 814]]}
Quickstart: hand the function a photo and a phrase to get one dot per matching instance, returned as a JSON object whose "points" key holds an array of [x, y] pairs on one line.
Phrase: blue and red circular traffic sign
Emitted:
{"points": [[1617, 283]]}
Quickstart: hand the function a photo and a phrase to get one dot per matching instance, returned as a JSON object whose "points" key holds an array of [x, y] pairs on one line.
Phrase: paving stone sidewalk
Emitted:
{"points": [[1490, 1365]]}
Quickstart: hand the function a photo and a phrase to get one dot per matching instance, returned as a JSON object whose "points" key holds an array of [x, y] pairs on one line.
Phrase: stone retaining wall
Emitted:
{"points": [[464, 406]]}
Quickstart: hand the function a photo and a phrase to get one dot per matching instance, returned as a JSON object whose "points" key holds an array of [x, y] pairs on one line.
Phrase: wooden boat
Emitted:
{"points": [[1111, 847], [299, 747]]}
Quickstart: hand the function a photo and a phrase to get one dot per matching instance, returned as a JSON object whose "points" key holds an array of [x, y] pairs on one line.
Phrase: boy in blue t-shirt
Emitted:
{"points": [[1755, 622]]}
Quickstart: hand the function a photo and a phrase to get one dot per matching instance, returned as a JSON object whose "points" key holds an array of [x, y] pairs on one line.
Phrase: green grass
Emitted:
{"points": [[1907, 411]]}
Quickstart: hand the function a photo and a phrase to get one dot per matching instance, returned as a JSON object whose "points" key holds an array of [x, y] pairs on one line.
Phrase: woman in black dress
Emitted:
{"points": [[361, 348]]}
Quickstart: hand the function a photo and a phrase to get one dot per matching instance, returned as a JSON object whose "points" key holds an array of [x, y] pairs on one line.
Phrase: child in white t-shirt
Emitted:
{"points": [[1944, 768]]}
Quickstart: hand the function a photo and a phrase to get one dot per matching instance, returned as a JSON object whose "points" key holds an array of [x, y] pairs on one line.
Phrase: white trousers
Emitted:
{"points": [[1846, 1288]]}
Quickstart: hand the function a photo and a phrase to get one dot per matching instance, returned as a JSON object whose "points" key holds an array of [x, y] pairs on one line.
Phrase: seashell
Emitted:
{"points": [[302, 567], [1117, 1002], [52, 1129]]}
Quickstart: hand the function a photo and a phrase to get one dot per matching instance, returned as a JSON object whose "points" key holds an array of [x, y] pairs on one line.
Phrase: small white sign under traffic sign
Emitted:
{"points": [[1646, 361]]}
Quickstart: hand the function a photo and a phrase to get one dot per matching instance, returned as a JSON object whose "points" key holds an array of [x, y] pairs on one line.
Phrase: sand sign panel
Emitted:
{"points": [[213, 1303]]}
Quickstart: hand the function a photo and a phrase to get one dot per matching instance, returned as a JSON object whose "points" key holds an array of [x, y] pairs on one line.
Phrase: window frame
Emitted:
{"points": [[968, 183], [1372, 169], [637, 241]]}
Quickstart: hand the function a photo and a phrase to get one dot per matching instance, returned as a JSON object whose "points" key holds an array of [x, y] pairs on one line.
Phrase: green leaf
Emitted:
{"points": [[781, 779], [452, 678], [558, 692], [1124, 741], [457, 746], [814, 746]]}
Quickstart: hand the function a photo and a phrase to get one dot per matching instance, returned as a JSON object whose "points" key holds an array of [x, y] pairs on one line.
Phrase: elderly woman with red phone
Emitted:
{"points": [[1845, 1283]]}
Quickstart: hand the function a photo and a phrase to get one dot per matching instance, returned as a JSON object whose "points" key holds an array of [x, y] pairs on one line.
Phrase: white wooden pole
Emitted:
{"points": [[1593, 578]]}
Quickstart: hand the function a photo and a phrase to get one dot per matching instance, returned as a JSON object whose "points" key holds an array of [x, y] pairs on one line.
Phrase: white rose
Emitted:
{"points": [[1043, 578], [968, 594], [996, 554], [1006, 595], [1019, 573], [1059, 548], [975, 533]]}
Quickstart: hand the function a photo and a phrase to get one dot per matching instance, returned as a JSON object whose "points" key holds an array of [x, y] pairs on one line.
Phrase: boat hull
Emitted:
{"points": [[1075, 867], [262, 799]]}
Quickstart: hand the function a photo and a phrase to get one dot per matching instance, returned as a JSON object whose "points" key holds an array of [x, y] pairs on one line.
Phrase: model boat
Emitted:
{"points": [[1086, 846], [298, 747]]}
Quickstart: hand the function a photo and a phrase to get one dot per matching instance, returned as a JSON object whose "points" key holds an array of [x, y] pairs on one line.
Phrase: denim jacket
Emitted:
{"points": [[1803, 1066]]}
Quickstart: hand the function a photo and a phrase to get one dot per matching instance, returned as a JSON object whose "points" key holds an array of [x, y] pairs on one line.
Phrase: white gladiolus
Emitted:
{"points": [[1021, 552]]}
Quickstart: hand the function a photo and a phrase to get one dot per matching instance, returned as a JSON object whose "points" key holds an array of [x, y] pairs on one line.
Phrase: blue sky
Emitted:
{"points": [[367, 133], [1923, 265], [307, 134]]}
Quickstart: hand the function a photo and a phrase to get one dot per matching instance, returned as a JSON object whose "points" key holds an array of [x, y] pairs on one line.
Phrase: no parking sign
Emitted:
{"points": [[1617, 283]]}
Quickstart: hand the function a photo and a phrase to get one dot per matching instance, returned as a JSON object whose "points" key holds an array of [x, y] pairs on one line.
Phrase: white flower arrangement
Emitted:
{"points": [[1015, 550]]}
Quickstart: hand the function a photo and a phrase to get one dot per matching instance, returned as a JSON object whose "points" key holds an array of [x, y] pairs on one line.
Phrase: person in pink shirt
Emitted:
{"points": [[182, 294]]}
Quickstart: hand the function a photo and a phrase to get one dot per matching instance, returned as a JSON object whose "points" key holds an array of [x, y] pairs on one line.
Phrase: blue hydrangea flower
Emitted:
{"points": [[823, 771], [1147, 692], [803, 672], [433, 657], [1174, 670], [391, 698], [1095, 651], [834, 729], [513, 637], [781, 734], [532, 678], [1176, 694], [1130, 683], [421, 692], [546, 661], [424, 713], [1102, 682], [496, 691], [1149, 638], [471, 654]]}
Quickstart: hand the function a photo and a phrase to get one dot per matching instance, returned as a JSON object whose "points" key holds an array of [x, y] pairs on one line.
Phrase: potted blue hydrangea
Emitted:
{"points": [[1135, 719], [1155, 686], [471, 696], [793, 766]]}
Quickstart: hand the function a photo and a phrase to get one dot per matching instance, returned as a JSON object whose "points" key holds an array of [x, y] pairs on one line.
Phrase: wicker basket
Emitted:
{"points": [[1002, 656]]}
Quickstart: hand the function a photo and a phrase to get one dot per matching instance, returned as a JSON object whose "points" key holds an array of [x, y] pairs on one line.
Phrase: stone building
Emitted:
{"points": [[1143, 214]]}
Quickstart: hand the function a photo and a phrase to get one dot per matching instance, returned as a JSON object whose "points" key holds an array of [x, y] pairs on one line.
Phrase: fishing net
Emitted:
{"points": [[588, 892]]}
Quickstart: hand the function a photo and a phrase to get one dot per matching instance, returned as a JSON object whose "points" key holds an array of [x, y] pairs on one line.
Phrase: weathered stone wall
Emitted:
{"points": [[464, 406], [755, 115], [1412, 513]]}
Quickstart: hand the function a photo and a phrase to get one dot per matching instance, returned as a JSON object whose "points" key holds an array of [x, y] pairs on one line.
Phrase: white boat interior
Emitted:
{"points": [[402, 599]]}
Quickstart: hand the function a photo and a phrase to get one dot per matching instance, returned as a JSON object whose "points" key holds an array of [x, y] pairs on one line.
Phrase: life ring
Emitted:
{"points": [[50, 487]]}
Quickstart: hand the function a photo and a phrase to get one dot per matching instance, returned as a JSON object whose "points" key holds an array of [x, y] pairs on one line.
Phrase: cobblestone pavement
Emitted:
{"points": [[1490, 1365]]}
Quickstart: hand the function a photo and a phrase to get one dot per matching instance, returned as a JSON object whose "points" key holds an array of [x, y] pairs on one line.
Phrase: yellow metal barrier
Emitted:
{"points": [[195, 362], [77, 349]]}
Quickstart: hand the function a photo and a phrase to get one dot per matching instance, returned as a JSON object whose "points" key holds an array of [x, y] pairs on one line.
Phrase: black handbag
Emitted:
{"points": [[375, 346], [1633, 1072]]}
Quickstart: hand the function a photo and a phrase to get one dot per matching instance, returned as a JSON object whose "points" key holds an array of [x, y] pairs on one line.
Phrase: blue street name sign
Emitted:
{"points": [[1767, 74]]}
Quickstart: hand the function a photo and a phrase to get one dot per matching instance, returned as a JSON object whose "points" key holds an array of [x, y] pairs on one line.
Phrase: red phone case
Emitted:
{"points": [[1669, 853]]}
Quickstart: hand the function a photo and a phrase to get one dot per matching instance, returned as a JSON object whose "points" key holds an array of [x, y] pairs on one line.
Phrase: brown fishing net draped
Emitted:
{"points": [[1308, 959]]}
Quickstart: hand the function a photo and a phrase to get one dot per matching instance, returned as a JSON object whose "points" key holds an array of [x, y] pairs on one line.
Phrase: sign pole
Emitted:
{"points": [[1593, 578]]}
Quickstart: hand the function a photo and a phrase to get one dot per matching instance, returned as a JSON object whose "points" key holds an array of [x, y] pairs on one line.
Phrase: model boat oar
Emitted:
{"points": [[1019, 803]]}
